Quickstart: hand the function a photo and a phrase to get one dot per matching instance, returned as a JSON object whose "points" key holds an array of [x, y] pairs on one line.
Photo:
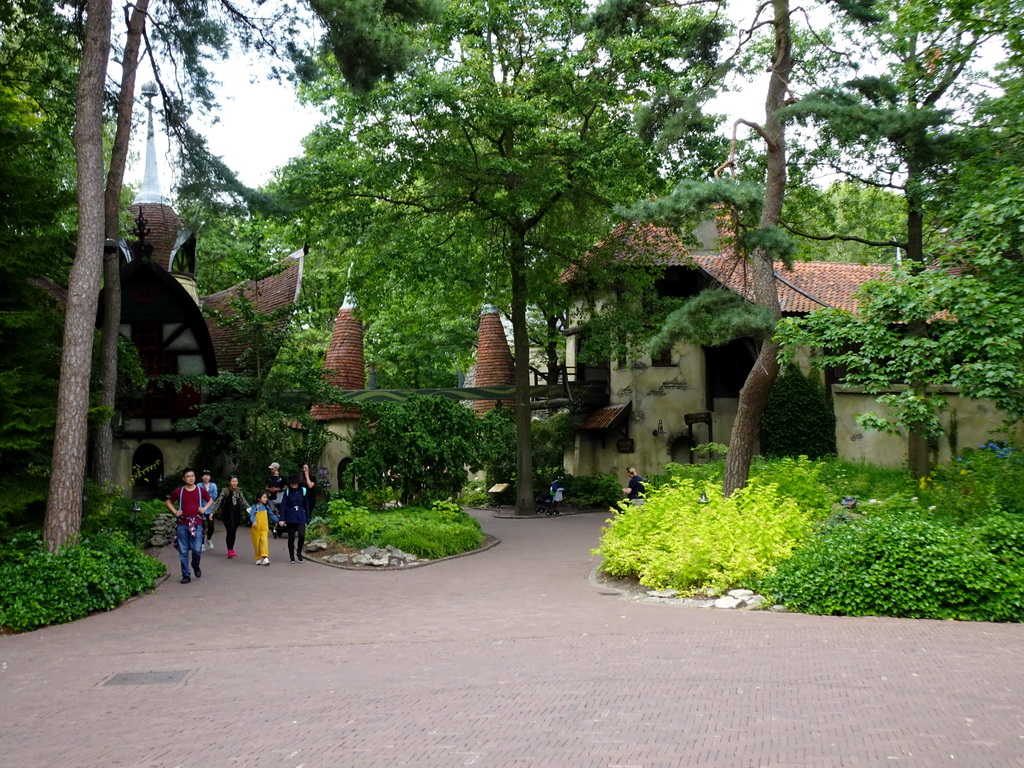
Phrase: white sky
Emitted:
{"points": [[258, 128]]}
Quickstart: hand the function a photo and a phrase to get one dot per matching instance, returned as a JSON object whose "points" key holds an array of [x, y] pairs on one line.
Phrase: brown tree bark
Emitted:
{"points": [[103, 436], [521, 353], [755, 391], [64, 506]]}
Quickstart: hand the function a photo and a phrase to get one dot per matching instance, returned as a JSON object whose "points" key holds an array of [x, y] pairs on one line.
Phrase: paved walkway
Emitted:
{"points": [[508, 658]]}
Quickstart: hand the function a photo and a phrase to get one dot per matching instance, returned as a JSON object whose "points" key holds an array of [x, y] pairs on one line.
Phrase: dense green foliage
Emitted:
{"points": [[38, 50], [420, 448], [990, 477], [430, 533], [899, 560], [96, 574], [592, 490], [798, 420], [712, 318]]}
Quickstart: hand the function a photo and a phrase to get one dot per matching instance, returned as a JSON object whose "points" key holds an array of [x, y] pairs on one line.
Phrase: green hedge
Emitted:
{"points": [[901, 560], [97, 574]]}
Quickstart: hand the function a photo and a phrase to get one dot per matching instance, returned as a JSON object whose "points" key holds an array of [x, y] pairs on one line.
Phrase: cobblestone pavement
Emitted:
{"points": [[508, 658]]}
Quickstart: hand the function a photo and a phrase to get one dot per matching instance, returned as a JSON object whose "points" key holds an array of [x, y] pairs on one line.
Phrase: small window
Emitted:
{"points": [[664, 360]]}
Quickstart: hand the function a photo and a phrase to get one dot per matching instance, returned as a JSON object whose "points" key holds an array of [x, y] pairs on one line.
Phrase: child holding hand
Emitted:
{"points": [[260, 515]]}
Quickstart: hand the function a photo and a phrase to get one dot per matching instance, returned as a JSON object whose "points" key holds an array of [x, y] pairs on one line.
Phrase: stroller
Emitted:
{"points": [[548, 505]]}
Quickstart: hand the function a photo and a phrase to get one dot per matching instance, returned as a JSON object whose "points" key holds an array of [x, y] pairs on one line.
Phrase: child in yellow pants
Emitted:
{"points": [[260, 514]]}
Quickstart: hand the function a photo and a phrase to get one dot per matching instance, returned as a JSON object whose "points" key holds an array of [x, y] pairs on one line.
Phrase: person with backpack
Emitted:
{"points": [[557, 491], [294, 509], [211, 488], [192, 501]]}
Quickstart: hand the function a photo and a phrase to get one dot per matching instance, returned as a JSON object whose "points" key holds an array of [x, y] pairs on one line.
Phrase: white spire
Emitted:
{"points": [[349, 302], [151, 191]]}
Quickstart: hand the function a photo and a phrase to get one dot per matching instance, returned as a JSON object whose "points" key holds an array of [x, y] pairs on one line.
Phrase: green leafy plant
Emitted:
{"points": [[798, 419], [899, 560], [96, 574], [420, 447], [603, 490], [440, 531], [675, 540], [983, 479]]}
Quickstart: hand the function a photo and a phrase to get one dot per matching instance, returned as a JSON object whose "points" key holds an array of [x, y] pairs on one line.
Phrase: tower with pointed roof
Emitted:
{"points": [[176, 330], [495, 366], [345, 368]]}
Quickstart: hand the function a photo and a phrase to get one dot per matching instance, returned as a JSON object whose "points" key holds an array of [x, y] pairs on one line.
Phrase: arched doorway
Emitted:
{"points": [[148, 471], [343, 465]]}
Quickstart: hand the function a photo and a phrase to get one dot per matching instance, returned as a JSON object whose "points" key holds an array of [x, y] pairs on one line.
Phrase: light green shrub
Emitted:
{"points": [[440, 531], [676, 541]]}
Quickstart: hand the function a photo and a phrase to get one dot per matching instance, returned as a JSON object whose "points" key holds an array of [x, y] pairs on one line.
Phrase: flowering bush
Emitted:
{"points": [[984, 479]]}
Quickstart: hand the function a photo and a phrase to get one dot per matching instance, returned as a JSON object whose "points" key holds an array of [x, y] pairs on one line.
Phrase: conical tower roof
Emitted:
{"points": [[495, 366], [161, 220]]}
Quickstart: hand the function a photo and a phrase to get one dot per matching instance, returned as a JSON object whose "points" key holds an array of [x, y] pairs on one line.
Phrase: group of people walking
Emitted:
{"points": [[287, 504]]}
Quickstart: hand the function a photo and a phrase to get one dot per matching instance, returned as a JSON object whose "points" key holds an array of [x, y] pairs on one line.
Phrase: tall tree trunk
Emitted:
{"points": [[521, 352], [64, 506], [755, 391], [103, 436]]}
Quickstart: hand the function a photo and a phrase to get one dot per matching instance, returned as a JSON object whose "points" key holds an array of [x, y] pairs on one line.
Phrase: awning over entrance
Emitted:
{"points": [[606, 418]]}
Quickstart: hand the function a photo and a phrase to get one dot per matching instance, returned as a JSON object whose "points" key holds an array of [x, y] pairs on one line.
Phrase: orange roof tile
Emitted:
{"points": [[808, 286], [267, 295], [605, 418]]}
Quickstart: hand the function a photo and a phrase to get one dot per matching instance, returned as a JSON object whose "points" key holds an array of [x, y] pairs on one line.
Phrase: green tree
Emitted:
{"points": [[420, 447], [37, 209], [508, 151]]}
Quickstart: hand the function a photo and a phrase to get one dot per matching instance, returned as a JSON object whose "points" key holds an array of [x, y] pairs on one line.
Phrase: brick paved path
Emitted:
{"points": [[508, 658]]}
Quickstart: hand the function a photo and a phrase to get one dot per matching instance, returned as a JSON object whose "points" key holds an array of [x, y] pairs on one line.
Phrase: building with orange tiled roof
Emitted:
{"points": [[657, 410], [176, 331]]}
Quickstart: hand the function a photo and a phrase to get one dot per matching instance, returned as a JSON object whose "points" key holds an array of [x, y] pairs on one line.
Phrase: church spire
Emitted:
{"points": [[151, 191]]}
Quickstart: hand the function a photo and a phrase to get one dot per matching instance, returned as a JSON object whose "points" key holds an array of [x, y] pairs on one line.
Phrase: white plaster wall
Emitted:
{"points": [[977, 422], [177, 455], [338, 448]]}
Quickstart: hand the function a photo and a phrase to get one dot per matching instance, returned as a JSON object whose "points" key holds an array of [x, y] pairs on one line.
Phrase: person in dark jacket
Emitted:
{"points": [[230, 502], [293, 508], [636, 488]]}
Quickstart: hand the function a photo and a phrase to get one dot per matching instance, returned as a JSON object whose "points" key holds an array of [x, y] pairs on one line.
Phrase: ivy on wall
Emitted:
{"points": [[799, 419]]}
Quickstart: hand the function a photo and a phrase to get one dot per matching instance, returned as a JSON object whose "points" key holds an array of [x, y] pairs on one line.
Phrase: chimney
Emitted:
{"points": [[494, 364]]}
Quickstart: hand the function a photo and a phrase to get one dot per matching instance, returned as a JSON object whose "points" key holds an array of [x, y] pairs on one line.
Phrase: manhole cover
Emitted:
{"points": [[166, 677]]}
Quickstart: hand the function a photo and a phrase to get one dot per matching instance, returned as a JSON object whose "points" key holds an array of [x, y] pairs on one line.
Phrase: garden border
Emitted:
{"points": [[490, 542]]}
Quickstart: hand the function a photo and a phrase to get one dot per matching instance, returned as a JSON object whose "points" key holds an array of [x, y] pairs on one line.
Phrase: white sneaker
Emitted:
{"points": [[266, 561], [209, 544]]}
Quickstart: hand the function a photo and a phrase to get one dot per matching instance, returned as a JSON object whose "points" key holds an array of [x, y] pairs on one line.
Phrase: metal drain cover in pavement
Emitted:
{"points": [[167, 677]]}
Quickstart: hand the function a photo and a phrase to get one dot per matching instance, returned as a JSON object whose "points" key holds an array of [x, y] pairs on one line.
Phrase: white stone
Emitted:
{"points": [[741, 593], [755, 601], [663, 593], [729, 602]]}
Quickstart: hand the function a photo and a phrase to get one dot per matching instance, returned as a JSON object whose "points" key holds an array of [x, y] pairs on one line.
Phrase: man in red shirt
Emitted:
{"points": [[188, 502]]}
